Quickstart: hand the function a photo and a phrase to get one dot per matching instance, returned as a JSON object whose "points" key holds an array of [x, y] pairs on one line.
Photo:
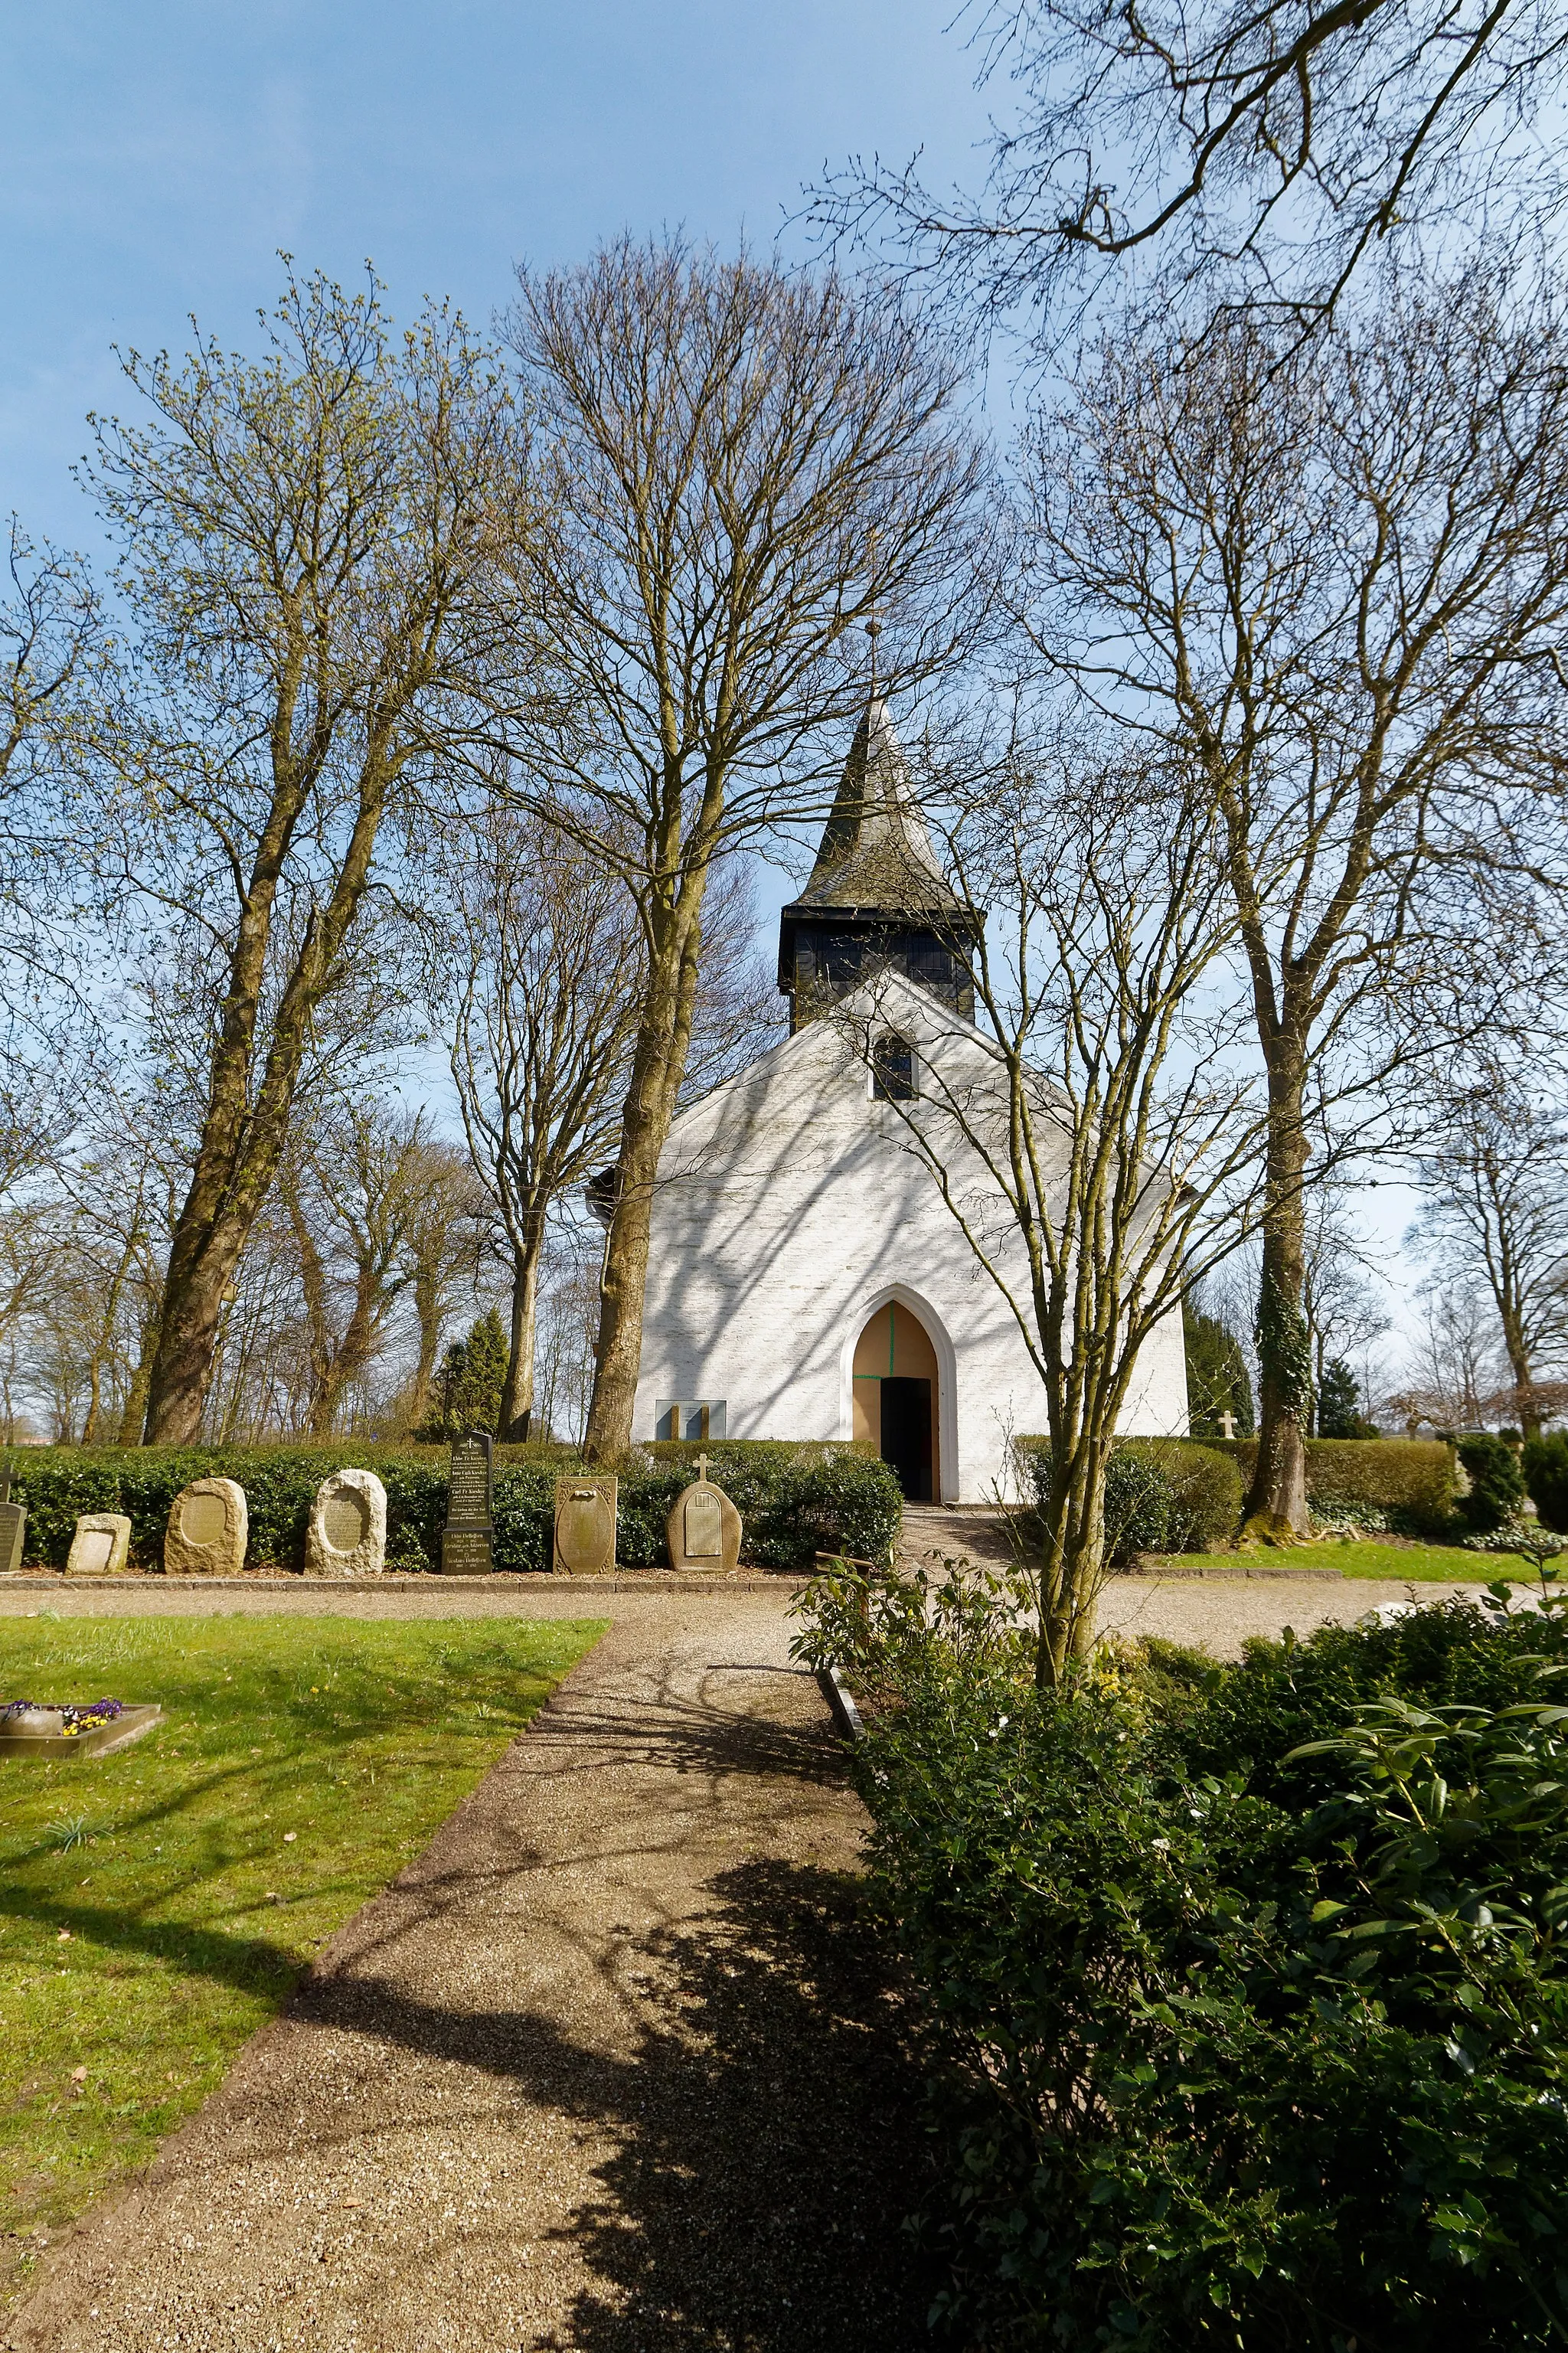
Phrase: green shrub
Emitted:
{"points": [[796, 1499], [1161, 1494], [1234, 2044], [1217, 1379], [1546, 1476], [1497, 1483]]}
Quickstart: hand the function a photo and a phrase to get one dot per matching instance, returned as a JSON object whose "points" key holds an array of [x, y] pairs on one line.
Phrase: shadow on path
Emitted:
{"points": [[767, 2145]]}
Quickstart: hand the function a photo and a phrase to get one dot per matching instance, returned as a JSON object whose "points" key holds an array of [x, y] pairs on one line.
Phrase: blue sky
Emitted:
{"points": [[157, 156]]}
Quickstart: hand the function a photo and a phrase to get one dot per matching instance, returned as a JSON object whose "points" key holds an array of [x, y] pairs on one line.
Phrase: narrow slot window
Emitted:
{"points": [[893, 1069]]}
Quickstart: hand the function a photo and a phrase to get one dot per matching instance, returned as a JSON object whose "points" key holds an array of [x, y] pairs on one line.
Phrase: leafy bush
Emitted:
{"points": [[796, 1499], [1546, 1476], [1244, 1986], [1161, 1494], [1497, 1483]]}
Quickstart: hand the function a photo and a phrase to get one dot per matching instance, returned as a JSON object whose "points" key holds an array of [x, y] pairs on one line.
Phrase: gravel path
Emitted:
{"points": [[607, 2068]]}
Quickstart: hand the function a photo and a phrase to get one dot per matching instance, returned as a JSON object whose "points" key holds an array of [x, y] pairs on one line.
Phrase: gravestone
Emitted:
{"points": [[347, 1535], [100, 1546], [584, 1526], [468, 1539], [704, 1529], [13, 1527], [208, 1527]]}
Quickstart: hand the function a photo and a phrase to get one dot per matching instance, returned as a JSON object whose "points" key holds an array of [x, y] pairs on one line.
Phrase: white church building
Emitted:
{"points": [[806, 1278]]}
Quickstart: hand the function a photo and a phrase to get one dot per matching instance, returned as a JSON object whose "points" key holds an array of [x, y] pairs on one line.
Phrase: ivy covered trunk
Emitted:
{"points": [[1284, 1345]]}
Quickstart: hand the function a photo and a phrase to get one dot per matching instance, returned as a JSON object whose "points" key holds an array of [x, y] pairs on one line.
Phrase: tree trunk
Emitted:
{"points": [[427, 1305], [1284, 1348], [134, 1414], [1520, 1366], [659, 1066], [1072, 1562], [516, 1389], [202, 1265]]}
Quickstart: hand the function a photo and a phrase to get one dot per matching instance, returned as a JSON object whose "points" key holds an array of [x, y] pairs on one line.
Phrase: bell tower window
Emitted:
{"points": [[893, 1069]]}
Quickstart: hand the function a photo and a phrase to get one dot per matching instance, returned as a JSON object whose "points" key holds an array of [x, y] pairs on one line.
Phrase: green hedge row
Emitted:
{"points": [[795, 1500], [1382, 1474]]}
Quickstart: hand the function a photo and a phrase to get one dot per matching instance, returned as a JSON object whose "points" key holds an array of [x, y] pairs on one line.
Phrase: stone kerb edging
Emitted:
{"points": [[501, 1584], [841, 1700]]}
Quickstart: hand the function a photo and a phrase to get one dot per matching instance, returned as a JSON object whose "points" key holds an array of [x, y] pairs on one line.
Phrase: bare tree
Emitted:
{"points": [[1094, 1137], [308, 543], [356, 1197], [1332, 578], [535, 974], [1278, 143], [747, 463], [1497, 1215], [444, 1235], [1339, 1304], [1452, 1364]]}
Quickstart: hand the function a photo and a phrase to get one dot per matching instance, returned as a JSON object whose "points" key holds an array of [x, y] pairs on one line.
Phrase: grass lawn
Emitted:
{"points": [[1401, 1563], [157, 1908]]}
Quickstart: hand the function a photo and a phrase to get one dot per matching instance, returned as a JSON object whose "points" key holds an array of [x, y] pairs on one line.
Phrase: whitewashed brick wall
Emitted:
{"points": [[789, 1210]]}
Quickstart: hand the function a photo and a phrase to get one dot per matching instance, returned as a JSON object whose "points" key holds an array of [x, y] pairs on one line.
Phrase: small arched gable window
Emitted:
{"points": [[893, 1069]]}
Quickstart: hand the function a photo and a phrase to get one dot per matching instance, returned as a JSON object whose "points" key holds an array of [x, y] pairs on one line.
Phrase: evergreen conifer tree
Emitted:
{"points": [[1217, 1379]]}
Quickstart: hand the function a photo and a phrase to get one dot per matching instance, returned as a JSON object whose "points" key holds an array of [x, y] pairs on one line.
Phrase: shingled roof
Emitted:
{"points": [[876, 852]]}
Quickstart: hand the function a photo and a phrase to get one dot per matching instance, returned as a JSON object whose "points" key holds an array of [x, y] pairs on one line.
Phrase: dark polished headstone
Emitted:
{"points": [[468, 1538]]}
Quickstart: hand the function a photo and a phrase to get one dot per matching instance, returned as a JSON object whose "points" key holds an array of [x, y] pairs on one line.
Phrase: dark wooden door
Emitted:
{"points": [[906, 1435]]}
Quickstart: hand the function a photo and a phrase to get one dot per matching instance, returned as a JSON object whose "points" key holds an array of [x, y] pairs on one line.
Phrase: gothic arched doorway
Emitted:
{"points": [[896, 1389]]}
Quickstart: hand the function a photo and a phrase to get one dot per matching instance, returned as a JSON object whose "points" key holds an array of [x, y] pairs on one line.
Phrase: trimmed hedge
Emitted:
{"points": [[1161, 1494], [795, 1500], [1411, 1475]]}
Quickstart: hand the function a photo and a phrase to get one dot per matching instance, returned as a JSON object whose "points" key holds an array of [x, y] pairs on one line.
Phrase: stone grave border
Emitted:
{"points": [[106, 1740]]}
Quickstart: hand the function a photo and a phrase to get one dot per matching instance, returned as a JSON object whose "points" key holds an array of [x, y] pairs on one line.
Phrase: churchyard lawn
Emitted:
{"points": [[1393, 1563], [158, 1907]]}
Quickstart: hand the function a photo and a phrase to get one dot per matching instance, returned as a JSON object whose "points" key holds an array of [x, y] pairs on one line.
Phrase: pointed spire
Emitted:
{"points": [[876, 852]]}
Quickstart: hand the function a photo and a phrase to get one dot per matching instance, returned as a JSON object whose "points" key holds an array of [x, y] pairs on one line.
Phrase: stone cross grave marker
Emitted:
{"points": [[703, 1531], [100, 1546], [346, 1535], [467, 1540], [12, 1525], [1227, 1425]]}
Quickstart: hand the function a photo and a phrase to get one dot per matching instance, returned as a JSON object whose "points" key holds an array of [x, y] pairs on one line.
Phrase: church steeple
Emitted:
{"points": [[877, 896]]}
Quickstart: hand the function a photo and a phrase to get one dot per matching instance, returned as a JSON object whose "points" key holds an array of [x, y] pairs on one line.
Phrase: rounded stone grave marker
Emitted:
{"points": [[584, 1526], [347, 1532], [209, 1528], [703, 1530]]}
